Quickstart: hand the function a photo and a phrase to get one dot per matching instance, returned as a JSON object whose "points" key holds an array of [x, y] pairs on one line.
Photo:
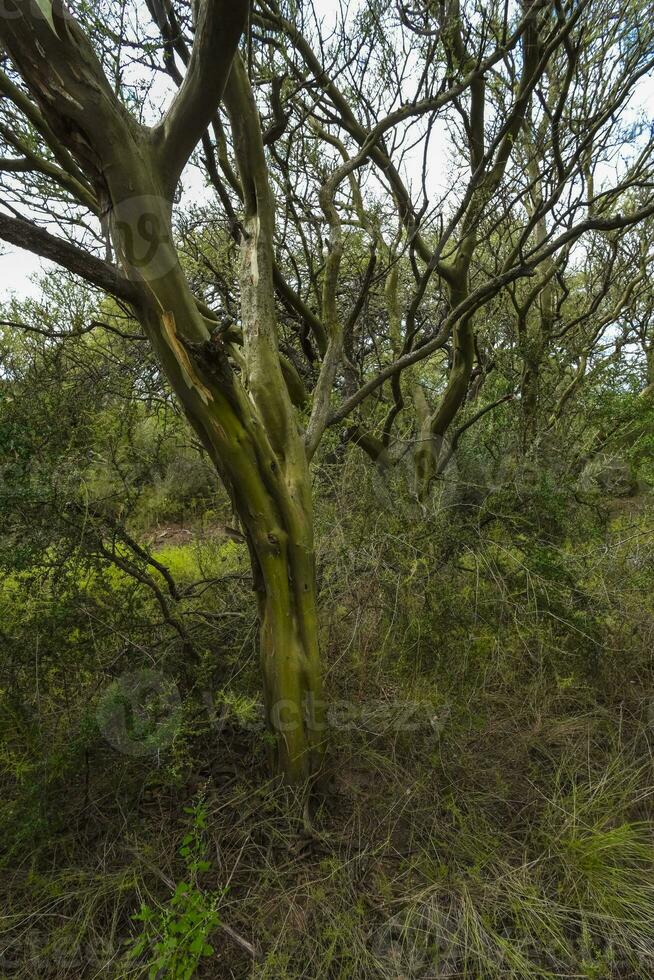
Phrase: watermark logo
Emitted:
{"points": [[142, 232], [140, 713], [396, 486], [419, 944], [32, 952], [373, 717]]}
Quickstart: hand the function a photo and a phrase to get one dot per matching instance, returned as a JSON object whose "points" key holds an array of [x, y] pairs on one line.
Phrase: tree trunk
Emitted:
{"points": [[284, 577], [261, 460], [648, 390], [433, 429], [529, 400], [273, 499]]}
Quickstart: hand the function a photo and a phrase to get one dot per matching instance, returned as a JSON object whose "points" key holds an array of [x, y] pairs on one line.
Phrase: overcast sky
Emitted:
{"points": [[19, 270]]}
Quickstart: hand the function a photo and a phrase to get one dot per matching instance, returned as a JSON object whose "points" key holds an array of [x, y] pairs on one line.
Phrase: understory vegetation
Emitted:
{"points": [[486, 804]]}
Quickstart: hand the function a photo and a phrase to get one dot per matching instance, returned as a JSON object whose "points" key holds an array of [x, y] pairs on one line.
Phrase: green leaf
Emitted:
{"points": [[144, 914]]}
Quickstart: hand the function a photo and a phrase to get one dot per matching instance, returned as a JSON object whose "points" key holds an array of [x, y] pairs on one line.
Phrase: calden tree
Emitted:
{"points": [[350, 275]]}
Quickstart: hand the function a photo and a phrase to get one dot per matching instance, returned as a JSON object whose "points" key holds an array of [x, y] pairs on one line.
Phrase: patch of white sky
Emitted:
{"points": [[21, 271]]}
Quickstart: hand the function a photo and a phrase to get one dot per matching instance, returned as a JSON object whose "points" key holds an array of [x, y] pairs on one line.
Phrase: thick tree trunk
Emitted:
{"points": [[264, 466], [272, 490], [283, 563]]}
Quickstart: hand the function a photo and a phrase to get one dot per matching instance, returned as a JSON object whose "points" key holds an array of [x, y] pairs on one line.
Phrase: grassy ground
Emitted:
{"points": [[486, 807]]}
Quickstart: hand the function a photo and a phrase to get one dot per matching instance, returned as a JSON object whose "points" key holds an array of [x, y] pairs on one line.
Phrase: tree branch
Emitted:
{"points": [[24, 234], [219, 26]]}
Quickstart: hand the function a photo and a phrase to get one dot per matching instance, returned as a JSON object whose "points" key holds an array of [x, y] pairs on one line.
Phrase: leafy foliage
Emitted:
{"points": [[175, 937]]}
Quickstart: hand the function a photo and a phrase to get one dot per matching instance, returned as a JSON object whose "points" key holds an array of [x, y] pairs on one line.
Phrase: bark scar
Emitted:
{"points": [[253, 229], [188, 371]]}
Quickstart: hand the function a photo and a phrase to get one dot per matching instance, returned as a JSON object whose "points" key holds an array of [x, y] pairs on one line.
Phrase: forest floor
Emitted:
{"points": [[485, 808]]}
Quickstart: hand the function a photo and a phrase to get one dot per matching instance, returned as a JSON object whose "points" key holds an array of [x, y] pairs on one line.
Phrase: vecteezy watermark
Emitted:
{"points": [[419, 943], [395, 486], [373, 717], [140, 713], [36, 949], [14, 10], [429, 940], [454, 477]]}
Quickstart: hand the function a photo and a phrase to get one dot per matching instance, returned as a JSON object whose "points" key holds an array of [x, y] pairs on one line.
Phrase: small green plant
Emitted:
{"points": [[176, 935]]}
